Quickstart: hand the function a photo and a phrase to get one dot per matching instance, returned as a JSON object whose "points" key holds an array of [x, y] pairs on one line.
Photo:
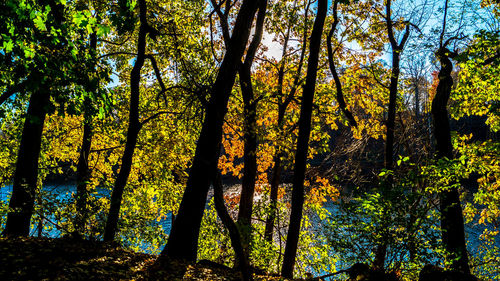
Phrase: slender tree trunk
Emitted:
{"points": [[339, 96], [303, 142], [24, 187], [133, 128], [452, 222], [397, 49], [250, 133], [381, 251], [82, 170], [183, 240], [234, 233], [391, 117]]}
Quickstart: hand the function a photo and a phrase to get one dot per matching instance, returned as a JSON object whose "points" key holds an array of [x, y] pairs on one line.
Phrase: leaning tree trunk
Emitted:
{"points": [[452, 222], [183, 239], [133, 128], [250, 134], [303, 142], [24, 185]]}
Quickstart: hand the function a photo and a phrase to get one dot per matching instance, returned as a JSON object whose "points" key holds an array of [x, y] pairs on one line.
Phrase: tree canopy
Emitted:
{"points": [[302, 138]]}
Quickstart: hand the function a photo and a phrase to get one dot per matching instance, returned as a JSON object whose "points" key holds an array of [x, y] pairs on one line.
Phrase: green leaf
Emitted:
{"points": [[78, 18], [102, 30], [8, 46], [39, 23]]}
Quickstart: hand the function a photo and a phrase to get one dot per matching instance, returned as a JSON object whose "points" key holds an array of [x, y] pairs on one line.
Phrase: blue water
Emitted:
{"points": [[64, 193]]}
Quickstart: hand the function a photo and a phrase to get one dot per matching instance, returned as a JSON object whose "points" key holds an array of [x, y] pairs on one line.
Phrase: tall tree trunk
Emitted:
{"points": [[82, 170], [452, 222], [250, 133], [133, 128], [303, 142], [397, 48], [183, 240], [24, 186]]}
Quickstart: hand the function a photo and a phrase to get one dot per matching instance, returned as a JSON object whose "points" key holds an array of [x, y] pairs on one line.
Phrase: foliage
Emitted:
{"points": [[351, 204], [400, 216]]}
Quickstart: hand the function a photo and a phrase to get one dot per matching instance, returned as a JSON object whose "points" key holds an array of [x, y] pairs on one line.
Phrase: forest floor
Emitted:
{"points": [[69, 259]]}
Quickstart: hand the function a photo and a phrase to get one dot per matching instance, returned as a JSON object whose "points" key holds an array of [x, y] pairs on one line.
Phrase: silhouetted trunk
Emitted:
{"points": [[234, 234], [339, 95], [452, 222], [24, 187], [183, 239], [391, 116], [397, 49], [133, 128], [250, 133], [303, 142], [82, 170]]}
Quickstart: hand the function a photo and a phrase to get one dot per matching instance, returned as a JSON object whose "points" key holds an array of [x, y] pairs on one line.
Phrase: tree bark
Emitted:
{"points": [[183, 240], [250, 133], [24, 186], [303, 142], [133, 128], [452, 222]]}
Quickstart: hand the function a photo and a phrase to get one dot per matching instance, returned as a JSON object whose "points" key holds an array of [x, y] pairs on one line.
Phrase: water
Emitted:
{"points": [[65, 192]]}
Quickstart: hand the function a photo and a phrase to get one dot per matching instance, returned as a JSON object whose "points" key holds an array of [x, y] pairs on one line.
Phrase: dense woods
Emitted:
{"points": [[299, 138]]}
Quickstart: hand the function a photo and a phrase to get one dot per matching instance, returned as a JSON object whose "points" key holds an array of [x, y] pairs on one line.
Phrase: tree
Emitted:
{"points": [[250, 132], [452, 221], [284, 100], [133, 127], [396, 48], [183, 238], [60, 64], [303, 142]]}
